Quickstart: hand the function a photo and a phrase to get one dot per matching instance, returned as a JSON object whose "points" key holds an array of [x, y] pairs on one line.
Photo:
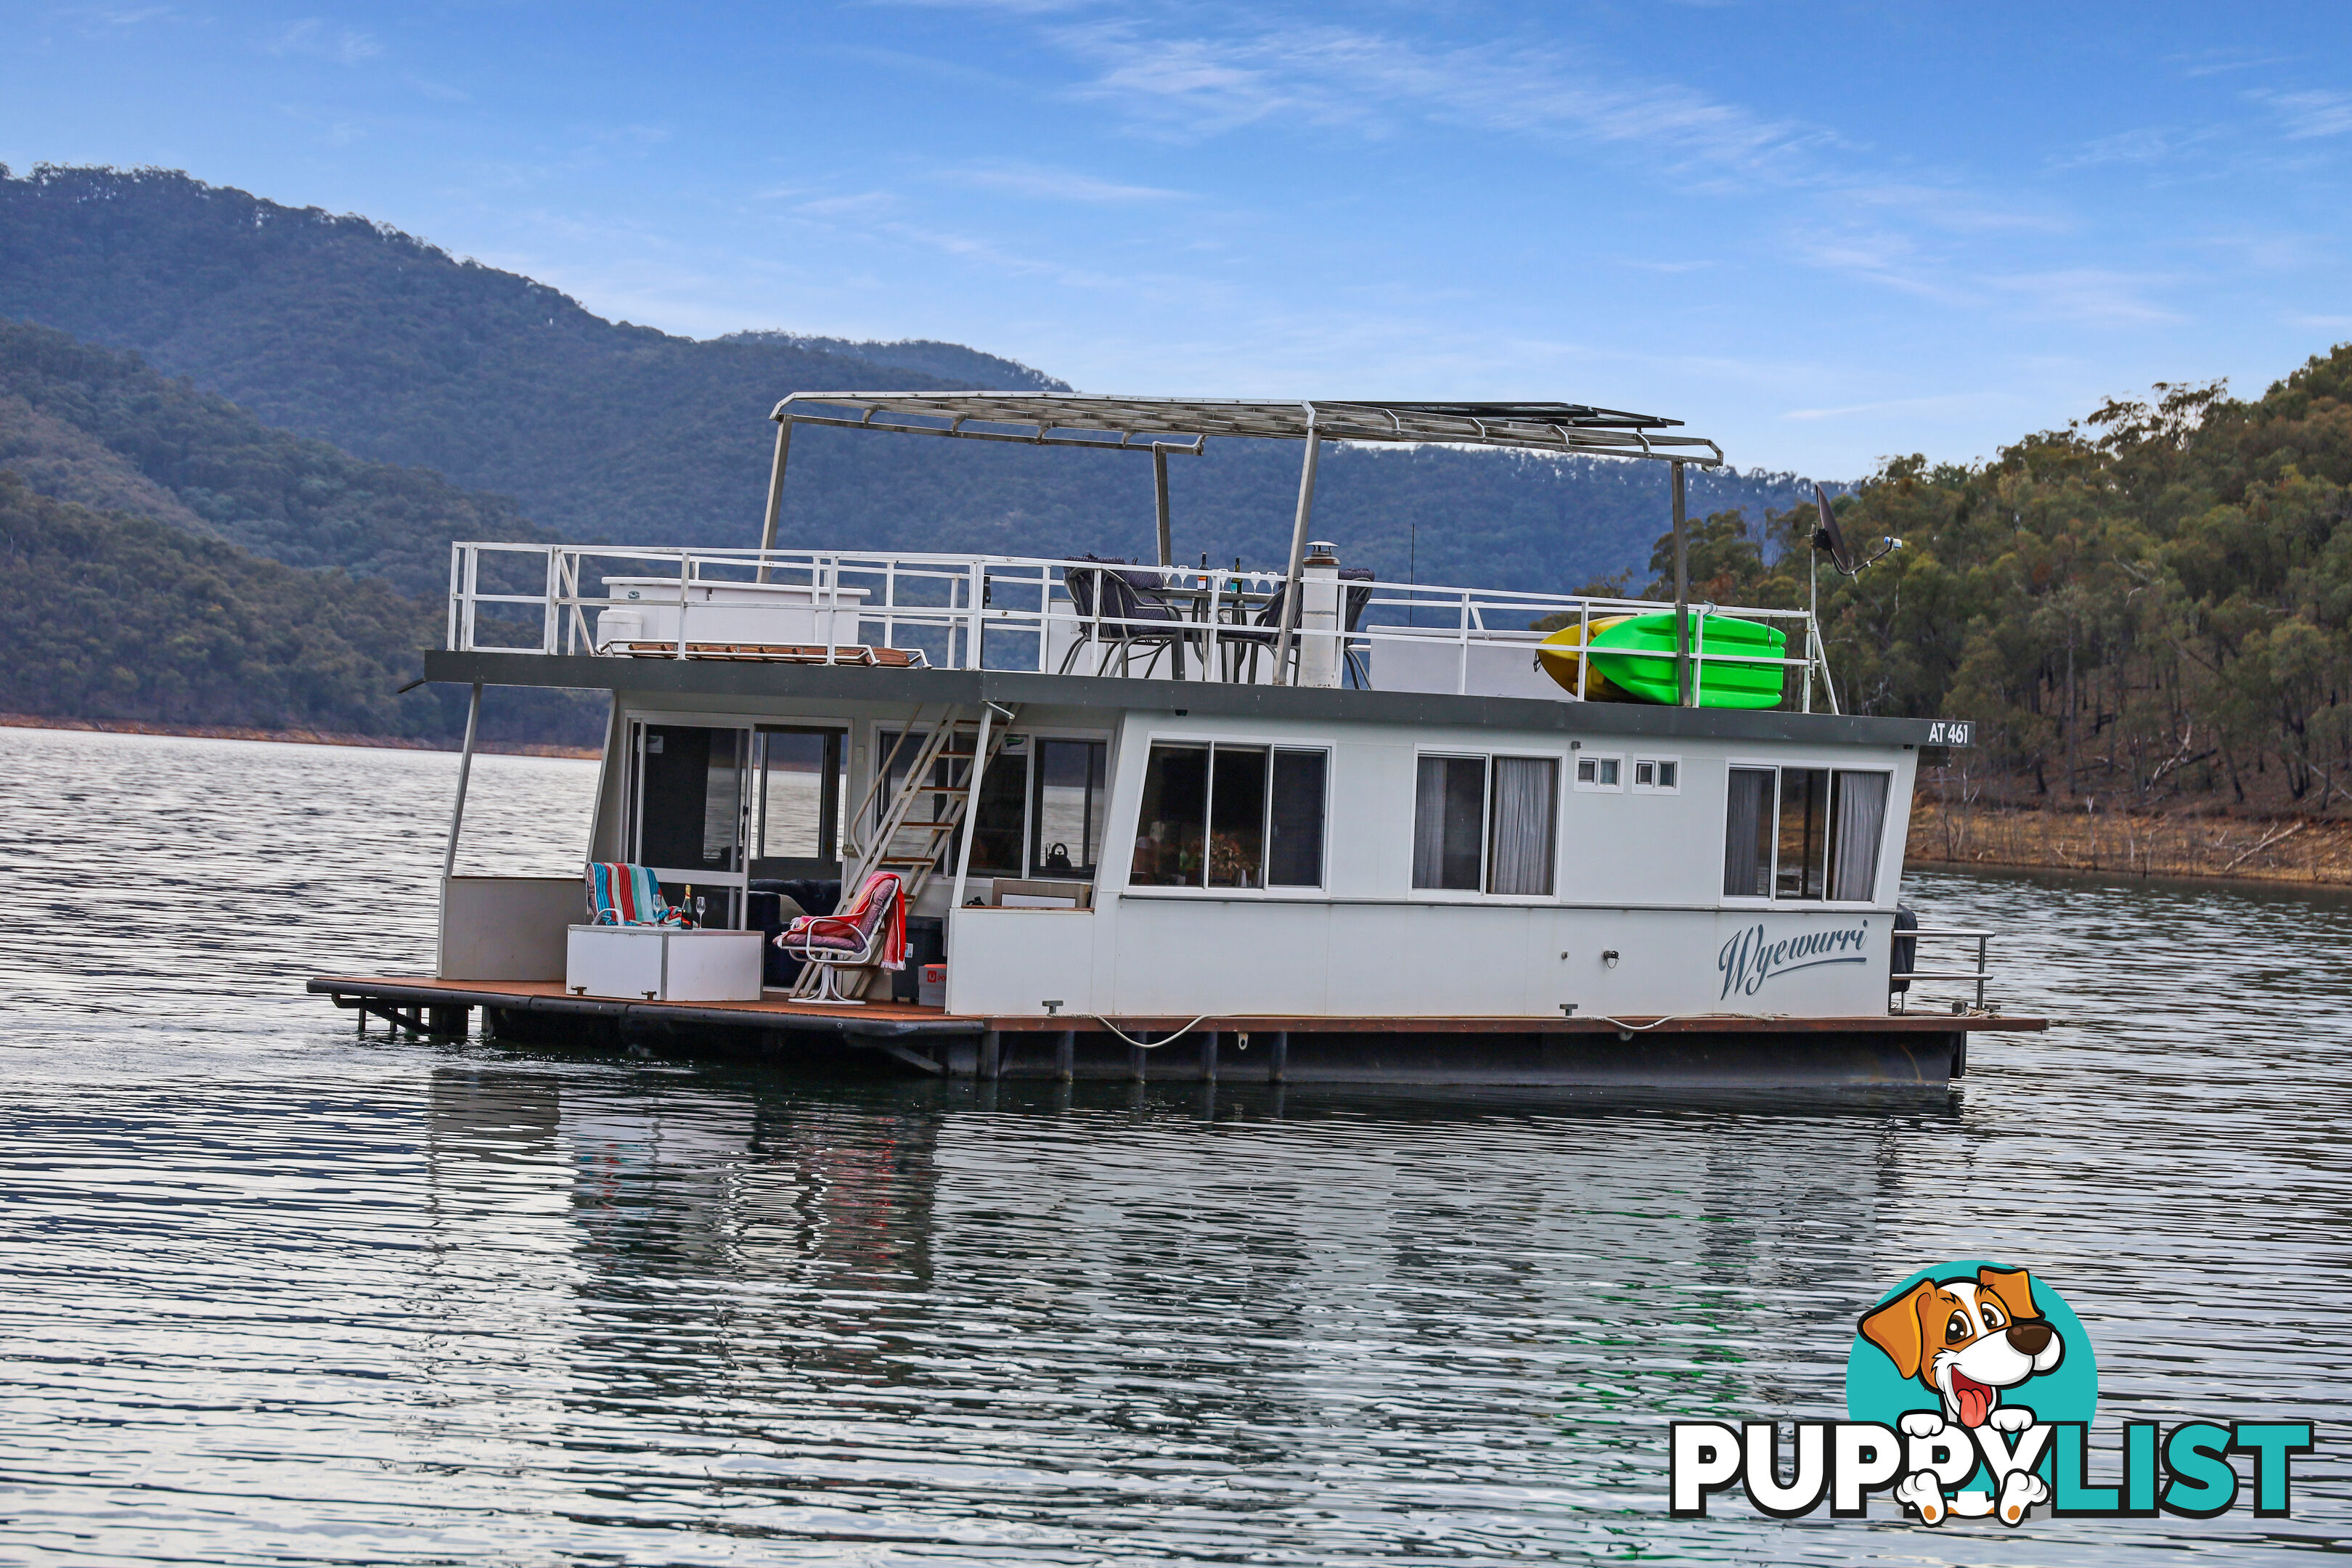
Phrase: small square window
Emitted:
{"points": [[1658, 776], [1599, 772]]}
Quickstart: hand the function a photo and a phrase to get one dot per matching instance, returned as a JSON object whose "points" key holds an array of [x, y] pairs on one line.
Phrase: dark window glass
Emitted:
{"points": [[1804, 843], [1748, 834], [1004, 808], [1068, 810], [690, 800], [1237, 817], [1171, 828], [1295, 858], [1448, 826]]}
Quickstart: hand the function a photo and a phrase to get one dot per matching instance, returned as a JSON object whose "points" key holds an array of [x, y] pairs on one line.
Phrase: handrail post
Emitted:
{"points": [[1682, 595], [552, 617], [1297, 552]]}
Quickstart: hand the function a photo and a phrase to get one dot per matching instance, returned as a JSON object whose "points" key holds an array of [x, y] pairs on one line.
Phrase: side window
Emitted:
{"points": [[1804, 835], [1449, 821], [1068, 807], [1486, 825], [1231, 817], [1658, 776], [1599, 772], [1172, 829]]}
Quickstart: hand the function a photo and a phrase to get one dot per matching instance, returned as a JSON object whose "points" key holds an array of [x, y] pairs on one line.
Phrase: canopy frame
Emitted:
{"points": [[1160, 426]]}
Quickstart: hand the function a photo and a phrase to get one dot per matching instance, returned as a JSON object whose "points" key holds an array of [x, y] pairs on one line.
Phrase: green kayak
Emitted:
{"points": [[1720, 685]]}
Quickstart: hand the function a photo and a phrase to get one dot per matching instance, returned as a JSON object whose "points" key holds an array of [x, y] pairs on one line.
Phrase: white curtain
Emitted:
{"points": [[1860, 825], [1526, 792], [1429, 823], [1746, 849]]}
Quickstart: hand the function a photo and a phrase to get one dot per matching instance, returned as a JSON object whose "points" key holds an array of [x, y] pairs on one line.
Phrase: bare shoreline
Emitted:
{"points": [[2191, 846], [287, 737]]}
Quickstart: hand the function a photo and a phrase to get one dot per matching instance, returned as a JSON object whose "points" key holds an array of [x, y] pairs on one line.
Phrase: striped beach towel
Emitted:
{"points": [[621, 894]]}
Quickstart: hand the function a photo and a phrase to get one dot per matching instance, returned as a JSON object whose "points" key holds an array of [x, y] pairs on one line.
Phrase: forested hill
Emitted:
{"points": [[349, 330], [2151, 606], [101, 428]]}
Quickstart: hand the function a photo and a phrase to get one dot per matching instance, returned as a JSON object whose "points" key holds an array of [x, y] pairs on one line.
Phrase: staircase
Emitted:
{"points": [[907, 839]]}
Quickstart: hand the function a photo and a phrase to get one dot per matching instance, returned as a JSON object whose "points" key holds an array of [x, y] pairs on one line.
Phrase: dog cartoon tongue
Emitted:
{"points": [[1974, 1398]]}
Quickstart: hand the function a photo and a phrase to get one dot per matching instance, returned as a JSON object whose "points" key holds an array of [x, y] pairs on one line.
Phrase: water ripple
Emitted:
{"points": [[283, 1294]]}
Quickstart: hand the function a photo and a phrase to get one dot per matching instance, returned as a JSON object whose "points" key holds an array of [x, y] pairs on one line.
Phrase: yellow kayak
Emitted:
{"points": [[1558, 657]]}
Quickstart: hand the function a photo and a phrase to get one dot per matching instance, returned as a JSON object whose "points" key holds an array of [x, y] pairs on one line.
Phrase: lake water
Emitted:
{"points": [[280, 1293]]}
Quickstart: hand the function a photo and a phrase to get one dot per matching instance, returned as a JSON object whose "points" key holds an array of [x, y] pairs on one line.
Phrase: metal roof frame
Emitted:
{"points": [[1183, 424], [1115, 424]]}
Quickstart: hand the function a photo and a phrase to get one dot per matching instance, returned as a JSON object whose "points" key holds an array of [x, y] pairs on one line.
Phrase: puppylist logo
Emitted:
{"points": [[1970, 1389]]}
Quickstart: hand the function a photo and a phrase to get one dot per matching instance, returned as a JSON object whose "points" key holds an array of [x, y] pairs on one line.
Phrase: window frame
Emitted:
{"points": [[1582, 756], [1563, 766], [1271, 746], [1634, 784], [1776, 766]]}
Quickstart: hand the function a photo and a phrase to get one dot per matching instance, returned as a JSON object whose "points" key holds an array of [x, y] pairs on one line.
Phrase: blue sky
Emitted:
{"points": [[1820, 233]]}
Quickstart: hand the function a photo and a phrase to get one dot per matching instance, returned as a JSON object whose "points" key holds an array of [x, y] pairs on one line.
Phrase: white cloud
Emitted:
{"points": [[314, 38], [2309, 115], [1346, 78], [1055, 185]]}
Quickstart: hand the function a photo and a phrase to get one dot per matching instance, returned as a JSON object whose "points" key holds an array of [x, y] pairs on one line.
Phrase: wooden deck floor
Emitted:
{"points": [[775, 1011]]}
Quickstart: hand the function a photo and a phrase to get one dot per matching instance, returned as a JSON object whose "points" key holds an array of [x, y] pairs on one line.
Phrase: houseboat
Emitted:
{"points": [[1150, 820]]}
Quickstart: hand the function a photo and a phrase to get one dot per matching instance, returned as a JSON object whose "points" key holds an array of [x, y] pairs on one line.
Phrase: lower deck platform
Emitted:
{"points": [[1719, 1051]]}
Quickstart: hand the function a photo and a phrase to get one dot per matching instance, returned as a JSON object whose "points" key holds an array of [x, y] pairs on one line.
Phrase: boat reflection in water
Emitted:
{"points": [[968, 1314]]}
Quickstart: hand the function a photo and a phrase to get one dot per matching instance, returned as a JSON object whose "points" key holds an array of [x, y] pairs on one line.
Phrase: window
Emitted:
{"points": [[1486, 825], [1658, 776], [1593, 773], [1065, 811], [1001, 814], [1804, 835], [798, 812], [691, 797], [1231, 817]]}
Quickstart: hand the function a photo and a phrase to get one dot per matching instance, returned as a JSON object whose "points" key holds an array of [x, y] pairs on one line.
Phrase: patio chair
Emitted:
{"points": [[1267, 626], [620, 894], [1135, 613], [871, 930]]}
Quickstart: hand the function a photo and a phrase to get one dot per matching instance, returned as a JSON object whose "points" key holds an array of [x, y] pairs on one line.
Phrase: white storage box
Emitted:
{"points": [[662, 963]]}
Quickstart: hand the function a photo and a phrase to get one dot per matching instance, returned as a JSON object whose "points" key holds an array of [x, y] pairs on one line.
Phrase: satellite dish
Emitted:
{"points": [[1830, 539]]}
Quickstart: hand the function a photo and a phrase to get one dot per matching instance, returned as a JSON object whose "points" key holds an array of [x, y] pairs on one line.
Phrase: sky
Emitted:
{"points": [[1821, 234]]}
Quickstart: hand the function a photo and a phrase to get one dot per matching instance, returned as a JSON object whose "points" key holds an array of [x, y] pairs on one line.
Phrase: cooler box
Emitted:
{"points": [[662, 963]]}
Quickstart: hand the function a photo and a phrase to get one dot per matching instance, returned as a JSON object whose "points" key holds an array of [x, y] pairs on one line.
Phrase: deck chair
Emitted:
{"points": [[1267, 627], [620, 894], [1134, 615], [872, 930]]}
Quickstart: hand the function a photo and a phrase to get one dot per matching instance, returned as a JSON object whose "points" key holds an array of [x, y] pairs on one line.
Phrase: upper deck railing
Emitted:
{"points": [[1051, 616]]}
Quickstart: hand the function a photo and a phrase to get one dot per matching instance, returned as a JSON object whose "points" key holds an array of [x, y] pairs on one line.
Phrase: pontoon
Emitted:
{"points": [[1157, 820]]}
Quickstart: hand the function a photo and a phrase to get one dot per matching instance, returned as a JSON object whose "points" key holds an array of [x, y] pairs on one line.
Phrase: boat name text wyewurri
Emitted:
{"points": [[1750, 959]]}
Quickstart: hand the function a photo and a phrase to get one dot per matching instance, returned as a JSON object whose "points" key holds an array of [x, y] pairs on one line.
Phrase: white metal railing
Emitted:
{"points": [[1053, 615], [1981, 974]]}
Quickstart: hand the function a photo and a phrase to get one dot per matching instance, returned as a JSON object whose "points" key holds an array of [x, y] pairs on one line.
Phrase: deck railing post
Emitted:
{"points": [[1682, 595]]}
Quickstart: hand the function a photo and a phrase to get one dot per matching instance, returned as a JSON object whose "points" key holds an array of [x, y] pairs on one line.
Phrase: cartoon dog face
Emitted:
{"points": [[1966, 1339]]}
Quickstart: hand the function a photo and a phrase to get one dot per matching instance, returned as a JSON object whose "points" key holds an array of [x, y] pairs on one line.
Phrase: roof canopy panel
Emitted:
{"points": [[1181, 424]]}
